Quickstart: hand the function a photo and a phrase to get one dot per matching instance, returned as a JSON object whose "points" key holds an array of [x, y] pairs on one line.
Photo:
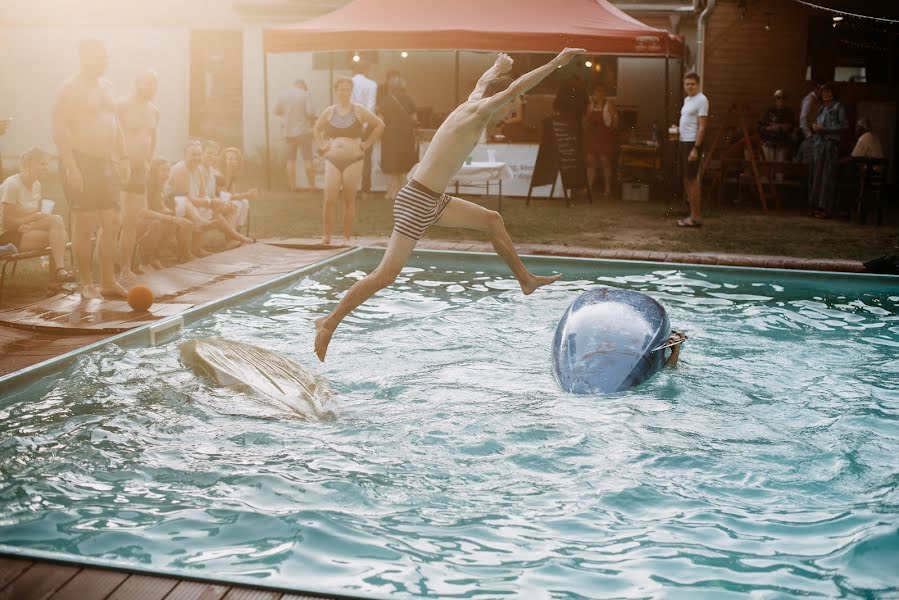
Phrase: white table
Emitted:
{"points": [[476, 174]]}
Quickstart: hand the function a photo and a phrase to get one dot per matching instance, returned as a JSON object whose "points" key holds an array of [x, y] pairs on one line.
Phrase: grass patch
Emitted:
{"points": [[608, 224]]}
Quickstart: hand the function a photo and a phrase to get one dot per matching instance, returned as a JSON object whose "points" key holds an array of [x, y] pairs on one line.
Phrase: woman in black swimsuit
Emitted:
{"points": [[339, 133]]}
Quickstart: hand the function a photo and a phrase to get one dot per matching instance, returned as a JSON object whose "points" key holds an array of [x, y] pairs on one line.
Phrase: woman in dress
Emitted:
{"points": [[602, 120], [338, 132], [399, 151], [827, 130]]}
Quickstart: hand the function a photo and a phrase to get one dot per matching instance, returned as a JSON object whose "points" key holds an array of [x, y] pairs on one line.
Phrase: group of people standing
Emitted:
{"points": [[363, 113], [117, 187], [822, 130]]}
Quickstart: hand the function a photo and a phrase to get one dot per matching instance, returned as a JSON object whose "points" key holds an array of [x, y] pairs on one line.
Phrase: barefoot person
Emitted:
{"points": [[339, 132], [94, 162], [139, 119], [418, 206], [158, 224], [21, 221]]}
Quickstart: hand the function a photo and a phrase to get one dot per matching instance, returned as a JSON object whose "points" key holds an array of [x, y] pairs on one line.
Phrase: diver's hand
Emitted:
{"points": [[567, 54], [503, 63]]}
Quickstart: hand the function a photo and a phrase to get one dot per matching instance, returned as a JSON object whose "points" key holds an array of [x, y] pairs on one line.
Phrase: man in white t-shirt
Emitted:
{"points": [[365, 92], [21, 221], [694, 116]]}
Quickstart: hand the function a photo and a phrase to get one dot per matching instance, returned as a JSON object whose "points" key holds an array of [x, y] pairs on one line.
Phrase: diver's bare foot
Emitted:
{"points": [[157, 264], [90, 292], [113, 290], [322, 338], [200, 253], [325, 241], [528, 287], [126, 273]]}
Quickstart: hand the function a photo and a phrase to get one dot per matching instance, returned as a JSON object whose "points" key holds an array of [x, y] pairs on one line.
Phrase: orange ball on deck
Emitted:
{"points": [[140, 297]]}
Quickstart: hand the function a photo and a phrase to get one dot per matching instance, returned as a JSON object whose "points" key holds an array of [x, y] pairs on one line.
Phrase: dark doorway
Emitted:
{"points": [[216, 86]]}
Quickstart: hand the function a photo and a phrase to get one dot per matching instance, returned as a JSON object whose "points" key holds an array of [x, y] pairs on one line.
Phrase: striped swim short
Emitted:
{"points": [[416, 208]]}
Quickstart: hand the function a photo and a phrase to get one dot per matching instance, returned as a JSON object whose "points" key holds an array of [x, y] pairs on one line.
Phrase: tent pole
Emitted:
{"points": [[455, 78], [268, 146], [667, 95]]}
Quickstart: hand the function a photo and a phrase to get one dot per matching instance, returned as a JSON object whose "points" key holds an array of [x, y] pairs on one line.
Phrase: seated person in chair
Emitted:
{"points": [[21, 221]]}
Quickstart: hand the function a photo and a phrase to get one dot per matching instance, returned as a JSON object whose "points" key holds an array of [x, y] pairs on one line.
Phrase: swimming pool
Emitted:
{"points": [[766, 462]]}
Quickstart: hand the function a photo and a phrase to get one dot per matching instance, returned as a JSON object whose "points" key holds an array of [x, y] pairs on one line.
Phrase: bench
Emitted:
{"points": [[14, 260]]}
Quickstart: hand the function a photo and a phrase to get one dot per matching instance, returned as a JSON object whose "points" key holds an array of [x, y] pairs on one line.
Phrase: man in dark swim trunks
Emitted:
{"points": [[93, 164], [422, 203]]}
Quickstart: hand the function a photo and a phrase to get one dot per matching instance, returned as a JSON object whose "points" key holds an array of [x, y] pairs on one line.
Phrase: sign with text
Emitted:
{"points": [[560, 152]]}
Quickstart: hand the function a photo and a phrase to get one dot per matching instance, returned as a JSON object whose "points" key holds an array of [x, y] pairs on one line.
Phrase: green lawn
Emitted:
{"points": [[739, 229]]}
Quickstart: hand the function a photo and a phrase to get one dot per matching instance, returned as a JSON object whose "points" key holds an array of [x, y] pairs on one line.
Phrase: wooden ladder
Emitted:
{"points": [[761, 169]]}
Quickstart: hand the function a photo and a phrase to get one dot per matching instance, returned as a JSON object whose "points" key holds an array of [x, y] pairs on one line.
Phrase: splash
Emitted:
{"points": [[287, 384]]}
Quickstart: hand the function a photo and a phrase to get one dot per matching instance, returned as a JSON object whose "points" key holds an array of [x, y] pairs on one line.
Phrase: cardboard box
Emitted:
{"points": [[632, 191]]}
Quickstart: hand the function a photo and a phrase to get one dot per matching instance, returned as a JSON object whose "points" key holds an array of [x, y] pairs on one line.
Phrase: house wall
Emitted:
{"points": [[745, 63]]}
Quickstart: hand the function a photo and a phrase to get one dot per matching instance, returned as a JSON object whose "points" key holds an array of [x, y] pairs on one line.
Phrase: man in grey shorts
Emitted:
{"points": [[295, 107], [94, 162], [421, 202]]}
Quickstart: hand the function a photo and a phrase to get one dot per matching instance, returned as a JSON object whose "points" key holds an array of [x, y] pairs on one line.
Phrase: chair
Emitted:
{"points": [[13, 260], [872, 174]]}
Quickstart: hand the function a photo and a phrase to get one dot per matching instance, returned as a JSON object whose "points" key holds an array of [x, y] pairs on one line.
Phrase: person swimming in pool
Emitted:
{"points": [[421, 202], [339, 132]]}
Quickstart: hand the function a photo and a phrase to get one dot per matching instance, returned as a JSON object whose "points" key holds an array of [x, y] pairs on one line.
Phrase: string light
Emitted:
{"points": [[588, 64], [843, 13], [355, 58], [404, 54]]}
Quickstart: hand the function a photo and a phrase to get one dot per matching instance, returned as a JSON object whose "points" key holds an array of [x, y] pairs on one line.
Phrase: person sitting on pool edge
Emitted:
{"points": [[419, 204]]}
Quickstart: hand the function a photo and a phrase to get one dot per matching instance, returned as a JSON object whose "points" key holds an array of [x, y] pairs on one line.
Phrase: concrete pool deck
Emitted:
{"points": [[34, 332]]}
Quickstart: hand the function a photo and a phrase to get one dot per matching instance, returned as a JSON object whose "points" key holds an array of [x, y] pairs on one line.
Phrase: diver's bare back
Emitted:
{"points": [[452, 143]]}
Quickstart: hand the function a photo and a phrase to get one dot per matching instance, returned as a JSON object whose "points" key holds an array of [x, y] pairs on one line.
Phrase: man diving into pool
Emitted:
{"points": [[421, 202]]}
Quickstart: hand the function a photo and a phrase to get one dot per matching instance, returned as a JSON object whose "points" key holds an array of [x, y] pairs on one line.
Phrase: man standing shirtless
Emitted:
{"points": [[418, 205], [92, 153], [139, 118]]}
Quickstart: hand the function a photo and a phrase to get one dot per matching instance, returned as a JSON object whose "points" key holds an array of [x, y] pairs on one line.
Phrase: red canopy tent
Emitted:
{"points": [[502, 25]]}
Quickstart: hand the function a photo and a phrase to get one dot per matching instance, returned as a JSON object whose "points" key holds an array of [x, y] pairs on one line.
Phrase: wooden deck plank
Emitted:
{"points": [[144, 587], [90, 584], [39, 582], [195, 590], [10, 568], [249, 594]]}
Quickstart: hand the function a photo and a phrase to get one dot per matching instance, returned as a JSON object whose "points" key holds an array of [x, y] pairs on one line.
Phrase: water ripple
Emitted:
{"points": [[764, 465]]}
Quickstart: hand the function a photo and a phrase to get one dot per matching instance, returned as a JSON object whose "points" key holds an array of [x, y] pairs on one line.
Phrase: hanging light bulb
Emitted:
{"points": [[355, 57], [588, 64], [404, 54]]}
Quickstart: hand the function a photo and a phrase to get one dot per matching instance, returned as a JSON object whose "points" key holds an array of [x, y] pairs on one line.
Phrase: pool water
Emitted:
{"points": [[766, 463]]}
